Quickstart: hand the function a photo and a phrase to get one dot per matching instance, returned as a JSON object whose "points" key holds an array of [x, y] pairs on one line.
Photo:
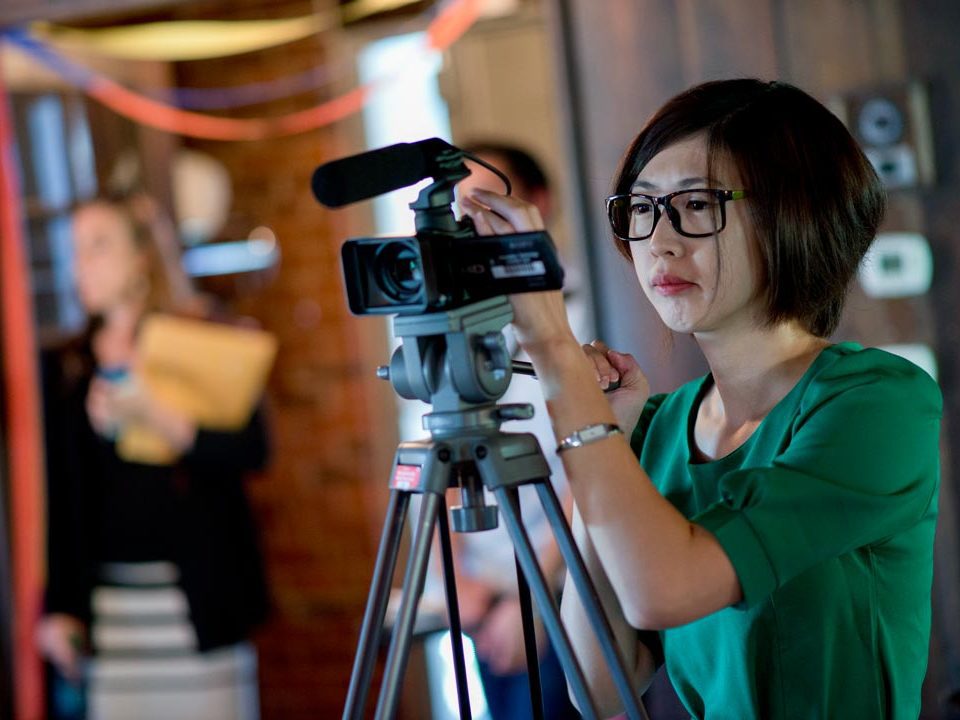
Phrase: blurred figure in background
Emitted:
{"points": [[484, 561], [153, 569]]}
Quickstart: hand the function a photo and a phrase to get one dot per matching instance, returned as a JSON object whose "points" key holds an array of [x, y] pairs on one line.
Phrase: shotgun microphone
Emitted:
{"points": [[358, 177]]}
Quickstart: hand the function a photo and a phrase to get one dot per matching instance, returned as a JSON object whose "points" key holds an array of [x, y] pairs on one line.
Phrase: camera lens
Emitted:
{"points": [[398, 272]]}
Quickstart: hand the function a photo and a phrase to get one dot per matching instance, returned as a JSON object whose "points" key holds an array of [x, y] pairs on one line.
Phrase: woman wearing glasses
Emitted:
{"points": [[765, 530]]}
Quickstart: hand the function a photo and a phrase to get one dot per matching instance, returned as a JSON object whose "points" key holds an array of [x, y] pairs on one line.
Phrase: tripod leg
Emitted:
{"points": [[376, 605], [545, 602], [412, 590], [529, 630], [591, 601], [453, 610]]}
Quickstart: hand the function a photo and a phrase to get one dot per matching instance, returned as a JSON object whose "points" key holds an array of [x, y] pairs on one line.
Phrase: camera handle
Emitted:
{"points": [[458, 361]]}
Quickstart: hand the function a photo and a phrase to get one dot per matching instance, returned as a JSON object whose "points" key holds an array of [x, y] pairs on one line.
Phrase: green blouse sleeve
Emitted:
{"points": [[860, 465]]}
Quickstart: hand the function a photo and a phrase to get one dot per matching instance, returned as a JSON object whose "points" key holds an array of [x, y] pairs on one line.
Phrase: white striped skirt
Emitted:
{"points": [[146, 664]]}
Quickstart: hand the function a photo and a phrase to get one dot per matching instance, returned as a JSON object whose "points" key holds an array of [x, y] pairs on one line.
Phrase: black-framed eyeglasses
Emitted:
{"points": [[695, 213]]}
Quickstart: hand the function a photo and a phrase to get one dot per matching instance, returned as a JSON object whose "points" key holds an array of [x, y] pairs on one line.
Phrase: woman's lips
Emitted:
{"points": [[671, 284]]}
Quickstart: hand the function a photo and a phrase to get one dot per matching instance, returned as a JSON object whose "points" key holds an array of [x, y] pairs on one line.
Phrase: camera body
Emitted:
{"points": [[445, 265], [436, 272]]}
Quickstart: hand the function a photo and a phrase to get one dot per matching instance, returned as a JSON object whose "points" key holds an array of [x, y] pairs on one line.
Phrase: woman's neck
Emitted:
{"points": [[754, 369]]}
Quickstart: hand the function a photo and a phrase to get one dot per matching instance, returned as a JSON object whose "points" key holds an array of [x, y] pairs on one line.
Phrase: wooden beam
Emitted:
{"points": [[13, 12]]}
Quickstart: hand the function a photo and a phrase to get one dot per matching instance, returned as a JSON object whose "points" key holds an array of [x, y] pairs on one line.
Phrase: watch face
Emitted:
{"points": [[594, 432], [588, 434]]}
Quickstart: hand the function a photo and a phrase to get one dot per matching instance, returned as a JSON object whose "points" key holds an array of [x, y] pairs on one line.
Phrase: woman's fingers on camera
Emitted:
{"points": [[520, 215], [499, 225], [485, 221]]}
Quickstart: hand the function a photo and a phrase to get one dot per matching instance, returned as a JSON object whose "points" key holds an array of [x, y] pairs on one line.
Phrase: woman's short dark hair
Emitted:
{"points": [[814, 199]]}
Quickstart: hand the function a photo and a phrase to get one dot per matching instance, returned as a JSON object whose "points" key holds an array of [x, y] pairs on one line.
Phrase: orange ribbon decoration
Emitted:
{"points": [[452, 22]]}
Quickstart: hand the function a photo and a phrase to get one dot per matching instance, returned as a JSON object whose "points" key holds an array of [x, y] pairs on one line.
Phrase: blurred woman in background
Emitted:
{"points": [[153, 568]]}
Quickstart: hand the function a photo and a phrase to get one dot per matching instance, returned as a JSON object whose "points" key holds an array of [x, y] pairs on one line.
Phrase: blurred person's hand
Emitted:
{"points": [[61, 639], [499, 640], [474, 598], [112, 404], [105, 408]]}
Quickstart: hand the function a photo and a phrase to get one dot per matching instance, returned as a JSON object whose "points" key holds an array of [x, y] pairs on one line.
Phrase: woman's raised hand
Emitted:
{"points": [[539, 317]]}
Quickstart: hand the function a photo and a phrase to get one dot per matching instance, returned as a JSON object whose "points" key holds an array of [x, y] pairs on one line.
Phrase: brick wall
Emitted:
{"points": [[320, 506]]}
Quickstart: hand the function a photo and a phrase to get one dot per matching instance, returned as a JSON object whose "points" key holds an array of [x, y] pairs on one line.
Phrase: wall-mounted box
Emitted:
{"points": [[897, 265], [892, 125]]}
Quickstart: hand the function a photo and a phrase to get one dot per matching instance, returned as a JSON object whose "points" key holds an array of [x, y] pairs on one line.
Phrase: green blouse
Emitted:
{"points": [[828, 514]]}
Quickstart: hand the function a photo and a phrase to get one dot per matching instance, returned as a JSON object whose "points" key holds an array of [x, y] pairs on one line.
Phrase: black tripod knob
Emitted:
{"points": [[474, 519], [474, 515]]}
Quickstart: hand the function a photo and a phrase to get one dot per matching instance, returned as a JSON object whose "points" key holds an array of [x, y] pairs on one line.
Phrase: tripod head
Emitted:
{"points": [[453, 360], [458, 362]]}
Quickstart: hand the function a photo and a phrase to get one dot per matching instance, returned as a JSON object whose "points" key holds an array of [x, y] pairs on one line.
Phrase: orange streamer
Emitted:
{"points": [[455, 19], [148, 111], [452, 22]]}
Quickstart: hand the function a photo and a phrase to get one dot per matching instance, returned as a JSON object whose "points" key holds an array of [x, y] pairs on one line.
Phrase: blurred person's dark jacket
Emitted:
{"points": [[195, 513]]}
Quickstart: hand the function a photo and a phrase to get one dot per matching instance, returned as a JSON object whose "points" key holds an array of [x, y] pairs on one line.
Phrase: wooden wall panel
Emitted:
{"points": [[498, 84], [930, 31], [624, 62], [831, 45], [720, 39]]}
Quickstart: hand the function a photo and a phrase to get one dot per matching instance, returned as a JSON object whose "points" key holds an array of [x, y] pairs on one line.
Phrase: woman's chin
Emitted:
{"points": [[681, 324]]}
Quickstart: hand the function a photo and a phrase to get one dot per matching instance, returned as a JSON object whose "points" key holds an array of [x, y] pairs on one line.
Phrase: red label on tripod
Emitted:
{"points": [[405, 477]]}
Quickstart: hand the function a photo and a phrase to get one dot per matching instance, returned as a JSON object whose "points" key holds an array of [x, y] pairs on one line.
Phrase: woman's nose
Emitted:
{"points": [[665, 240]]}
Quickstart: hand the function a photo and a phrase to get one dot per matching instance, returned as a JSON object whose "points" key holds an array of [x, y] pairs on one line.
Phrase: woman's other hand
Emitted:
{"points": [[61, 639], [632, 390]]}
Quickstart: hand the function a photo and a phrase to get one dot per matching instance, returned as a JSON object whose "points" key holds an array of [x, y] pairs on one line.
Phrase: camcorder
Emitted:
{"points": [[446, 264]]}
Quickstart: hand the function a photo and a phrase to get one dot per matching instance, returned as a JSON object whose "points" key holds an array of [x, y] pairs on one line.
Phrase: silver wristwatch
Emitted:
{"points": [[588, 434]]}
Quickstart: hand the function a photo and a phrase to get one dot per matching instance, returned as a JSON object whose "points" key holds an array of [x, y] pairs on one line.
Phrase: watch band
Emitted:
{"points": [[588, 434]]}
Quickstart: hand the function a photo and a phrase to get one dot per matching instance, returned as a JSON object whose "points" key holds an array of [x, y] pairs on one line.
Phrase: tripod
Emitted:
{"points": [[458, 361]]}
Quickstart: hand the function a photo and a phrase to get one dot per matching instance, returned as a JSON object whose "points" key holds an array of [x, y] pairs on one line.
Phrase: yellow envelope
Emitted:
{"points": [[211, 372]]}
